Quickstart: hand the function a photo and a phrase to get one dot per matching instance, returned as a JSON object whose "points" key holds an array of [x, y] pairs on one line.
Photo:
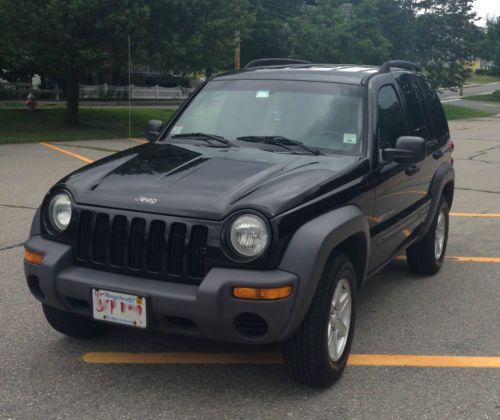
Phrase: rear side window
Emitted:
{"points": [[416, 117], [391, 124], [436, 111]]}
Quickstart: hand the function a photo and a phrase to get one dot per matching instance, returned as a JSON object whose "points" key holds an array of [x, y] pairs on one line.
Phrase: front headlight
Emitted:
{"points": [[249, 235], [59, 211]]}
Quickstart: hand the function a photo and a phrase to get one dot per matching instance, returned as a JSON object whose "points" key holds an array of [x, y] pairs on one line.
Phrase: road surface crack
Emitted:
{"points": [[11, 246], [480, 153], [476, 190], [13, 206]]}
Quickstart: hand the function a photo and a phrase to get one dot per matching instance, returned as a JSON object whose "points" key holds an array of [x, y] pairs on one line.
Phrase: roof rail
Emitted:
{"points": [[407, 65], [262, 62]]}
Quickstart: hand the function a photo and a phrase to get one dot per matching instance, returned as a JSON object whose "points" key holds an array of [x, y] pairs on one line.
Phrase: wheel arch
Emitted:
{"points": [[443, 184], [449, 192], [345, 229]]}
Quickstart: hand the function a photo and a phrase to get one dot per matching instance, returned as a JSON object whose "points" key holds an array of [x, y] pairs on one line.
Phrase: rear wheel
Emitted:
{"points": [[70, 324], [317, 354], [426, 256]]}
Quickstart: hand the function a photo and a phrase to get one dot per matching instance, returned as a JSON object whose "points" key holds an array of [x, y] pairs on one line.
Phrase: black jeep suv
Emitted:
{"points": [[256, 213]]}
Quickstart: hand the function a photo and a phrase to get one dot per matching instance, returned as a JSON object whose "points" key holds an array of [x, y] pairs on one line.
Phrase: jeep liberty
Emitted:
{"points": [[256, 214]]}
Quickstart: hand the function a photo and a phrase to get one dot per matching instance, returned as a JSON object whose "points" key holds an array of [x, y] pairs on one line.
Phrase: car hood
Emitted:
{"points": [[207, 183]]}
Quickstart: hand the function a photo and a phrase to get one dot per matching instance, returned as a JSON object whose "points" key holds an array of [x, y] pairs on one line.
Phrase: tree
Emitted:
{"points": [[491, 49], [445, 40], [269, 36], [191, 36], [332, 32], [65, 40]]}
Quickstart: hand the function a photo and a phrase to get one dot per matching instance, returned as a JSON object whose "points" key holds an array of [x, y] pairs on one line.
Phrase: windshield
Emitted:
{"points": [[325, 116]]}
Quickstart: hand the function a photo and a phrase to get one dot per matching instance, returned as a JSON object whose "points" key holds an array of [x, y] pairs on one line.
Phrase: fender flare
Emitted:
{"points": [[444, 175], [35, 224], [310, 248]]}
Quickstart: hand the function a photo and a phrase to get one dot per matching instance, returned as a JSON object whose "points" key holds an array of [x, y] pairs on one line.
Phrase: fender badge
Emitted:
{"points": [[146, 200]]}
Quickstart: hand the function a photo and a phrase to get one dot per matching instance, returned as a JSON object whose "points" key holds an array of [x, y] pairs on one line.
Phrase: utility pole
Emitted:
{"points": [[237, 36], [129, 91], [237, 50]]}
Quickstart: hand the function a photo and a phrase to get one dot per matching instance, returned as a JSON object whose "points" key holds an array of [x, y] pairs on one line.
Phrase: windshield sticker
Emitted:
{"points": [[350, 138], [176, 130], [262, 94]]}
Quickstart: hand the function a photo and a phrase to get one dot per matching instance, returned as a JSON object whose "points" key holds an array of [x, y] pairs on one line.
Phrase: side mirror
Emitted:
{"points": [[408, 150], [153, 129]]}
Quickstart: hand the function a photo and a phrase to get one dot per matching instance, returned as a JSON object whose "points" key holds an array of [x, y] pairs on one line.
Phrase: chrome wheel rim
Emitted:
{"points": [[340, 320], [440, 235]]}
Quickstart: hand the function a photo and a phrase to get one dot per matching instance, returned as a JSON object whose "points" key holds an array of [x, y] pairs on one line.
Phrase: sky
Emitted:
{"points": [[486, 8]]}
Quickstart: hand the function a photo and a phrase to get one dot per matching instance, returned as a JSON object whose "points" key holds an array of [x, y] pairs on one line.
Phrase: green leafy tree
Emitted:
{"points": [[191, 36], [269, 36], [445, 40], [331, 31], [491, 45], [65, 40]]}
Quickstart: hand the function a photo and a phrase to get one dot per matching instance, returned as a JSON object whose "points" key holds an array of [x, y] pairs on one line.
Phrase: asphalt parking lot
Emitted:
{"points": [[454, 315]]}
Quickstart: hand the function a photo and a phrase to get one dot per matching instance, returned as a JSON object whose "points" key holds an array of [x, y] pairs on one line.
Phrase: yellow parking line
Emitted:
{"points": [[463, 259], [474, 259], [276, 358], [182, 358], [67, 152], [475, 214], [423, 361], [142, 141]]}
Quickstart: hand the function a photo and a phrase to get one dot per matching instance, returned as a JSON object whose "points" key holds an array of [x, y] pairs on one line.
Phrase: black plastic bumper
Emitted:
{"points": [[208, 310]]}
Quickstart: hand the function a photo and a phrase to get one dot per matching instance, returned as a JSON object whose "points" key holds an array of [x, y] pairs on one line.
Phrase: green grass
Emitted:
{"points": [[454, 112], [494, 97], [21, 126], [482, 80]]}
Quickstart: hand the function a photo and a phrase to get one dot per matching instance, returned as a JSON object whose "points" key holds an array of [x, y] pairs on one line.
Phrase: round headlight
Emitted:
{"points": [[249, 235], [60, 211]]}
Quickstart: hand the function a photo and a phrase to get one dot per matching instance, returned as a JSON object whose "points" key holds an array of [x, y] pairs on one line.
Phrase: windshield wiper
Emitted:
{"points": [[204, 137], [280, 141]]}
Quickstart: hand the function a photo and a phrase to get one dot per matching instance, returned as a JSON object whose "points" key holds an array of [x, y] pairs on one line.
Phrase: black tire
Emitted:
{"points": [[306, 353], [70, 324], [421, 256]]}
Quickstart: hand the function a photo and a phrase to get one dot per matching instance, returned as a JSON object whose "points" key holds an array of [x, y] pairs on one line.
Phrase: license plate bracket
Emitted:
{"points": [[119, 308]]}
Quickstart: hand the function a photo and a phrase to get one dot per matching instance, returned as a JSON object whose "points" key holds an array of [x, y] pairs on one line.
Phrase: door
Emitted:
{"points": [[398, 192], [419, 124], [439, 134]]}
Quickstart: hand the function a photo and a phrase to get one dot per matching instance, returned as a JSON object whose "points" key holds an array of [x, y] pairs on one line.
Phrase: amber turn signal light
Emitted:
{"points": [[262, 294], [33, 257]]}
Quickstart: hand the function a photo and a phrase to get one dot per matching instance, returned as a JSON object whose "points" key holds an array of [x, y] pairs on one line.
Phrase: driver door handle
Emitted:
{"points": [[412, 170]]}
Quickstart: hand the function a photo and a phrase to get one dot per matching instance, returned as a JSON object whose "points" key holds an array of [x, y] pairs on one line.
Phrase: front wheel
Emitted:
{"points": [[317, 354], [426, 256]]}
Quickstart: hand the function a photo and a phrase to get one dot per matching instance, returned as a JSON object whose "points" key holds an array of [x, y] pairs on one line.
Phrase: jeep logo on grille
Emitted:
{"points": [[146, 200]]}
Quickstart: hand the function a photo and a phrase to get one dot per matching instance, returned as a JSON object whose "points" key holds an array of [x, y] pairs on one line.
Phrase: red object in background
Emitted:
{"points": [[31, 103]]}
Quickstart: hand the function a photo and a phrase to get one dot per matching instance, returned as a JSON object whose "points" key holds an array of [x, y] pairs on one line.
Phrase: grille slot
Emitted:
{"points": [[118, 241], [156, 245], [136, 243], [142, 246], [84, 239], [100, 238], [197, 250], [176, 241]]}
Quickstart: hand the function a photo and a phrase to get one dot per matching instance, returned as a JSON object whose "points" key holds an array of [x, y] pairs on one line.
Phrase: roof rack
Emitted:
{"points": [[263, 62], [406, 65]]}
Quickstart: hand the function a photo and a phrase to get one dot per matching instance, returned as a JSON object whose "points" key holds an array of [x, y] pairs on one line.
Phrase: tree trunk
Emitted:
{"points": [[72, 96]]}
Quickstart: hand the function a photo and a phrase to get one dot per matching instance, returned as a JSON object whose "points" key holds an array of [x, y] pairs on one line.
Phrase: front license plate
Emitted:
{"points": [[119, 308]]}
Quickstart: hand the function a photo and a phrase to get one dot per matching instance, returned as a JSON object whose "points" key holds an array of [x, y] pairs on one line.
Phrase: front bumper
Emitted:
{"points": [[208, 310]]}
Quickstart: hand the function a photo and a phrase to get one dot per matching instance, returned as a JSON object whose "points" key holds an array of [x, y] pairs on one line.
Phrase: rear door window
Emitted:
{"points": [[436, 111], [416, 116], [391, 124]]}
